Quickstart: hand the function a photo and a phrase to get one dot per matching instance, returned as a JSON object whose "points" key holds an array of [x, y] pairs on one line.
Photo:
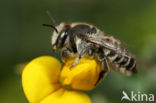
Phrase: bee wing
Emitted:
{"points": [[101, 41], [116, 40], [124, 43]]}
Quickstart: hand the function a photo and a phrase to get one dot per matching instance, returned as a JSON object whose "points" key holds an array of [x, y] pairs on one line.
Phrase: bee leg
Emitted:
{"points": [[104, 71], [84, 51], [66, 54]]}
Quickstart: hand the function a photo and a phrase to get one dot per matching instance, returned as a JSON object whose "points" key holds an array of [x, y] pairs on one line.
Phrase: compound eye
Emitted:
{"points": [[63, 34]]}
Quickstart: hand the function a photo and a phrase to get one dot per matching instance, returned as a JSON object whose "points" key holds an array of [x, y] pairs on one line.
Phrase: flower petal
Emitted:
{"points": [[65, 96], [83, 76], [40, 78]]}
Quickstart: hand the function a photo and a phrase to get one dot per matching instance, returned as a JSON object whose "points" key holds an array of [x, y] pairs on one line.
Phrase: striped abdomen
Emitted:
{"points": [[121, 63]]}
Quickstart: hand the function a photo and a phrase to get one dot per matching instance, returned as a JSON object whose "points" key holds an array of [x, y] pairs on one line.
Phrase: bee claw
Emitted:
{"points": [[72, 66]]}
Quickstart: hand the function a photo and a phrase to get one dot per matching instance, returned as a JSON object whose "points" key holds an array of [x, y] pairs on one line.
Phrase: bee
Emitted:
{"points": [[85, 39]]}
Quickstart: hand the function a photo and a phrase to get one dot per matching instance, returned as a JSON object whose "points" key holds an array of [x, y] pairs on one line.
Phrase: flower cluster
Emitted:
{"points": [[44, 80]]}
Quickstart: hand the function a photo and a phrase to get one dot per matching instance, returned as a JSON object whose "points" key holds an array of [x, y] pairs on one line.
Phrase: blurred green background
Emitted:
{"points": [[22, 38]]}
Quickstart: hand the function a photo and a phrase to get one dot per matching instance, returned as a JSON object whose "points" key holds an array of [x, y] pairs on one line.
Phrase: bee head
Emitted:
{"points": [[60, 36], [60, 33]]}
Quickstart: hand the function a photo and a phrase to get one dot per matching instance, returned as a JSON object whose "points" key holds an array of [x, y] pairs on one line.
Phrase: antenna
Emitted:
{"points": [[51, 17], [49, 25], [53, 20]]}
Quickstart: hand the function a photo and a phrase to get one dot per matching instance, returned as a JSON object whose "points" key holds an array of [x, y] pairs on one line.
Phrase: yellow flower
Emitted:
{"points": [[81, 77], [44, 82]]}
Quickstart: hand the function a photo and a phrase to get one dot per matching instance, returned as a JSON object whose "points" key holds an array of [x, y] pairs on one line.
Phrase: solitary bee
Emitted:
{"points": [[84, 39]]}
